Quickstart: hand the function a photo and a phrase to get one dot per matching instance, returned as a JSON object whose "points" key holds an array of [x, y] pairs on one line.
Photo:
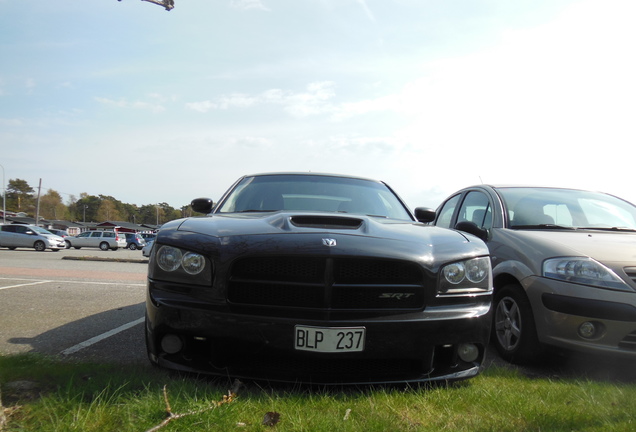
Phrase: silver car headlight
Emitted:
{"points": [[466, 277], [584, 271], [182, 266]]}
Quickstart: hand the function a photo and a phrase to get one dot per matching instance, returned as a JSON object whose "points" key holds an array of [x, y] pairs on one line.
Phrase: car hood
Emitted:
{"points": [[297, 231], [284, 222], [604, 247]]}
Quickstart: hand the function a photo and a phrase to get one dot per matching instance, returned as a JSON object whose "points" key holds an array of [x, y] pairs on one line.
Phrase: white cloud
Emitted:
{"points": [[248, 4], [315, 100], [123, 103]]}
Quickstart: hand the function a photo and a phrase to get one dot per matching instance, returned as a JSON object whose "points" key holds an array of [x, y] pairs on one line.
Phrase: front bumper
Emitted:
{"points": [[562, 310], [412, 347]]}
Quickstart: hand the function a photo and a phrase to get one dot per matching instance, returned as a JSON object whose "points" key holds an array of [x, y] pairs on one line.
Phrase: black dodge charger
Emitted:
{"points": [[317, 278]]}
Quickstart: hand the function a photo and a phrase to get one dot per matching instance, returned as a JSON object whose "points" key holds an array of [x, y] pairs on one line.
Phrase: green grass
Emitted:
{"points": [[84, 397]]}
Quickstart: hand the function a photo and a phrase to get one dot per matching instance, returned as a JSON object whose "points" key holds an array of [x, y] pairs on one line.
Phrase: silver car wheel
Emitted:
{"points": [[104, 246], [508, 324]]}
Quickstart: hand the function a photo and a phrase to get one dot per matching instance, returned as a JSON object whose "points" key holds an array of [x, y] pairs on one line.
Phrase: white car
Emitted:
{"points": [[29, 236], [102, 239]]}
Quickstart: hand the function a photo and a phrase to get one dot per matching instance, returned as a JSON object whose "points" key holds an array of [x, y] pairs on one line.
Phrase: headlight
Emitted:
{"points": [[181, 266], [465, 277], [584, 271]]}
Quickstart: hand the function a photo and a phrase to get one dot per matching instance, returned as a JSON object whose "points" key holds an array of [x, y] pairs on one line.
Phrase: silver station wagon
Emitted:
{"points": [[104, 240]]}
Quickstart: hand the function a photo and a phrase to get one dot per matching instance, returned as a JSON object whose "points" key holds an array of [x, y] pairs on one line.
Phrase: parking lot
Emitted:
{"points": [[64, 303]]}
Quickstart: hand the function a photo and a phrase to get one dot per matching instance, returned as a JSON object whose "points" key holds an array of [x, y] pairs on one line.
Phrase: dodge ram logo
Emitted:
{"points": [[329, 242]]}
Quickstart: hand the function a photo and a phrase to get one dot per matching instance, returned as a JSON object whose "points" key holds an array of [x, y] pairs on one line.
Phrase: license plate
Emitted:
{"points": [[329, 339]]}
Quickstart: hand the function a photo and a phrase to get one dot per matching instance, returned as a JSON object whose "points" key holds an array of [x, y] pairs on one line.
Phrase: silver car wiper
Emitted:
{"points": [[622, 229], [544, 226]]}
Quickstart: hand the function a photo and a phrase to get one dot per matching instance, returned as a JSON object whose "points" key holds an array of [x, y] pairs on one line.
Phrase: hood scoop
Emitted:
{"points": [[328, 222]]}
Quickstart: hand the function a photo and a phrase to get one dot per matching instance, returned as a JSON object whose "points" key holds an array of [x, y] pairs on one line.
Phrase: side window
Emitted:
{"points": [[476, 208], [96, 234], [84, 234], [21, 229], [446, 213], [109, 234]]}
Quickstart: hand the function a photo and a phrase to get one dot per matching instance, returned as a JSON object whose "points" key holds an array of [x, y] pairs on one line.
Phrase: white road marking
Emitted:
{"points": [[101, 337], [68, 282], [25, 284]]}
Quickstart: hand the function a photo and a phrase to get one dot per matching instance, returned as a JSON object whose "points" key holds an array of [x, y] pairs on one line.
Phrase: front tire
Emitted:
{"points": [[132, 246], [514, 332], [39, 246]]}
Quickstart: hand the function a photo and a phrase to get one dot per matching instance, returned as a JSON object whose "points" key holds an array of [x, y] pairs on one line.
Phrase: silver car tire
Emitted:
{"points": [[39, 246], [104, 246], [514, 330]]}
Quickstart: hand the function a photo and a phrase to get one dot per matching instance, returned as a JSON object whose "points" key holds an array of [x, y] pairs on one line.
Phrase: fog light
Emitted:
{"points": [[587, 330], [468, 352], [171, 344]]}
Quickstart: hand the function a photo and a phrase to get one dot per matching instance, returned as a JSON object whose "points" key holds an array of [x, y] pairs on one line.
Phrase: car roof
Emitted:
{"points": [[305, 173], [529, 186]]}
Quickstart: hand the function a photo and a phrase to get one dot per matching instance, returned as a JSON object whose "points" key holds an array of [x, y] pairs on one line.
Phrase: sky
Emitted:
{"points": [[126, 99]]}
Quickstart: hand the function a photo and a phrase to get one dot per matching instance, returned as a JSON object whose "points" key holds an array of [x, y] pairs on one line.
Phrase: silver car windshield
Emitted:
{"points": [[40, 230], [566, 208], [269, 193]]}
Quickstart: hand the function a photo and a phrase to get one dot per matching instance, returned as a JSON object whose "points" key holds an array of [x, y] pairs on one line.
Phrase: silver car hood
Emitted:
{"points": [[602, 246]]}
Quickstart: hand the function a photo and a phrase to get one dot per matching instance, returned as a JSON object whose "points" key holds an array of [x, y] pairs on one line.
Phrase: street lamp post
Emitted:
{"points": [[4, 198]]}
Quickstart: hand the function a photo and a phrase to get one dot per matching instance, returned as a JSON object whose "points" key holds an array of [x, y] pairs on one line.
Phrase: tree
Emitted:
{"points": [[85, 208], [19, 195], [51, 206], [108, 211], [168, 4]]}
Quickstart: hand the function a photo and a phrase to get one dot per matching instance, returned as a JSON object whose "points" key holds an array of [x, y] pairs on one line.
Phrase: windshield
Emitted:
{"points": [[40, 230], [314, 193], [569, 208]]}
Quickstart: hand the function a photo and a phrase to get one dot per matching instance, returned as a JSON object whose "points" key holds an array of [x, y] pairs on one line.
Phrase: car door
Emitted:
{"points": [[472, 206], [95, 239], [81, 240], [8, 236], [23, 236]]}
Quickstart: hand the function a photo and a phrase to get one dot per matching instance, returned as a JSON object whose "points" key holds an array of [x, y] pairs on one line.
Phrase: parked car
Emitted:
{"points": [[104, 240], [148, 236], [134, 241], [29, 236], [145, 251], [564, 265], [320, 279], [58, 232]]}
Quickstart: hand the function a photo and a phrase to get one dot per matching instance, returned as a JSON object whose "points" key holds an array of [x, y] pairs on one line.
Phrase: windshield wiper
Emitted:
{"points": [[544, 226], [622, 229], [256, 211]]}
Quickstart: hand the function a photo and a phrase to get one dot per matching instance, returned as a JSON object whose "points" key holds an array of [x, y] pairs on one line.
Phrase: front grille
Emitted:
{"points": [[326, 283], [628, 342]]}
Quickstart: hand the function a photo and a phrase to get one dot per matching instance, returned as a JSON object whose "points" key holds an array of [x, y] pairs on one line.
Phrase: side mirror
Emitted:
{"points": [[424, 214], [29, 232], [202, 205], [472, 228]]}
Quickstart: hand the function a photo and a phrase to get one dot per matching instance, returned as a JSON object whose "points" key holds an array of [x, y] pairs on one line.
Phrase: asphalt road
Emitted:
{"points": [[52, 303], [59, 303]]}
